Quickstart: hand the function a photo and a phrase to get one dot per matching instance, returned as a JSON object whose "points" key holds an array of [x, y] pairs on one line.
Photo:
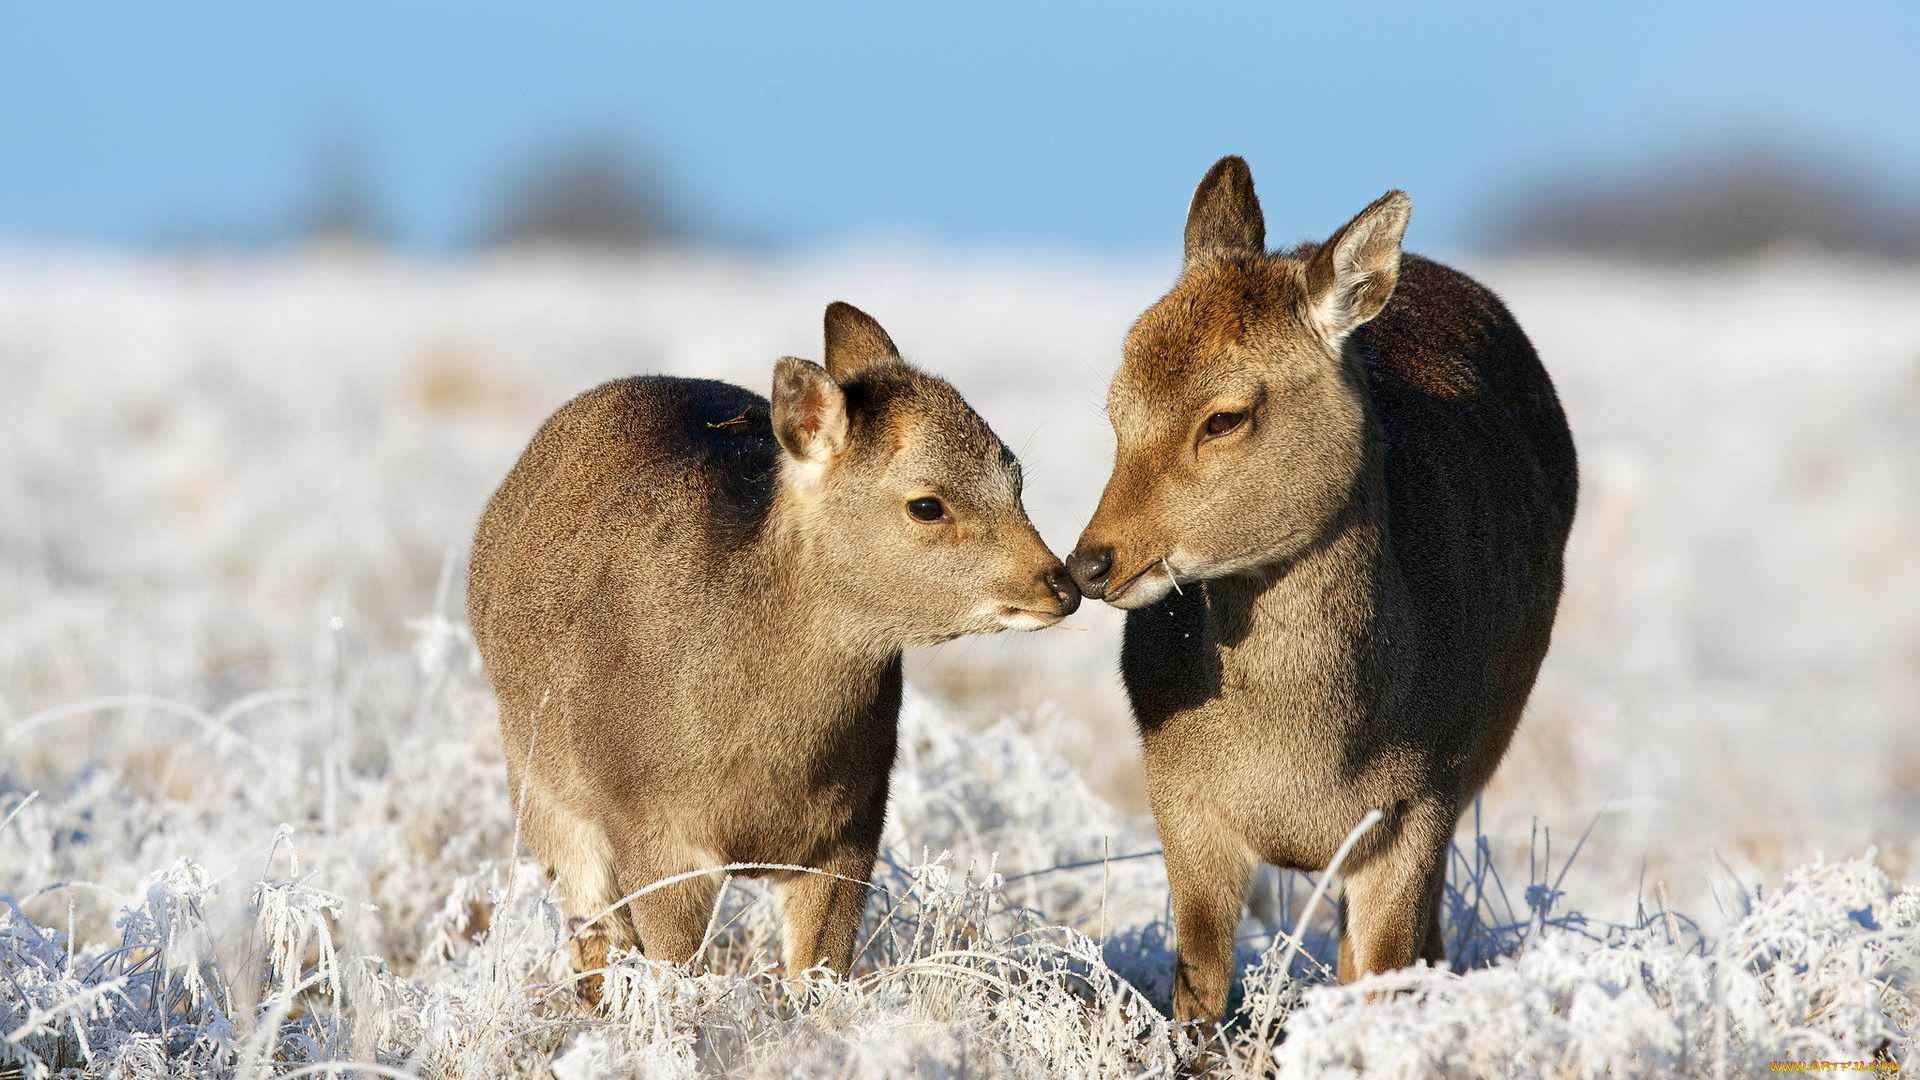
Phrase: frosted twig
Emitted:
{"points": [[138, 701], [21, 805], [1085, 863], [691, 874], [713, 923]]}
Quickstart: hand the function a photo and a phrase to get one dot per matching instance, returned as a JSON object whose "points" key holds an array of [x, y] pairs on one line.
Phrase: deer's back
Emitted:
{"points": [[1477, 449], [665, 470], [694, 457], [1446, 360]]}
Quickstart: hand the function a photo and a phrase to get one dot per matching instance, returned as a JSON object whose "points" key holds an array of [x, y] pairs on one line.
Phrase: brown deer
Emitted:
{"points": [[692, 604], [1338, 506]]}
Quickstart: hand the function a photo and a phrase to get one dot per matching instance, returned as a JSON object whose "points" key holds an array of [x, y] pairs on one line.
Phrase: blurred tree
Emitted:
{"points": [[343, 209], [585, 196], [1724, 204]]}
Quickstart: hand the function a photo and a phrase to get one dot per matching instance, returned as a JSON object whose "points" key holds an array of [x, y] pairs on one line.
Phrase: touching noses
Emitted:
{"points": [[1065, 595], [1089, 567]]}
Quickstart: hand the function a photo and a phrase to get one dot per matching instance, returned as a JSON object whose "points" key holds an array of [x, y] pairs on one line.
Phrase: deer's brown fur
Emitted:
{"points": [[1342, 490], [692, 604]]}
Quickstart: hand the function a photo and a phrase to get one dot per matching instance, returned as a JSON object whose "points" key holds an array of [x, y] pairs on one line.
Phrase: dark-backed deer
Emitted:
{"points": [[692, 604], [1341, 493]]}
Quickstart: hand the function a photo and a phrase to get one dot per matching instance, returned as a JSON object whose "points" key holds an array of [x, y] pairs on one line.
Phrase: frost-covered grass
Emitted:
{"points": [[252, 810], [400, 932]]}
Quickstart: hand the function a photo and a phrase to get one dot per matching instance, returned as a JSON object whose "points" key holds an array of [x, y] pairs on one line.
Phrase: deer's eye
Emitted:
{"points": [[1221, 423], [928, 509]]}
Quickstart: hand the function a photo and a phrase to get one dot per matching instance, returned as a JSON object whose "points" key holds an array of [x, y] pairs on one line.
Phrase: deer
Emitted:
{"points": [[692, 603], [1340, 498]]}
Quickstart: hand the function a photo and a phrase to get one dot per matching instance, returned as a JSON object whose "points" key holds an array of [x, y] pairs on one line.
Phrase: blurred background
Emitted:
{"points": [[1697, 130], [284, 288]]}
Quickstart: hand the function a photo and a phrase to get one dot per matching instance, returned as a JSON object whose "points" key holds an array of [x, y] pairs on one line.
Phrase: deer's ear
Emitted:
{"points": [[855, 342], [1352, 275], [1224, 221], [809, 411]]}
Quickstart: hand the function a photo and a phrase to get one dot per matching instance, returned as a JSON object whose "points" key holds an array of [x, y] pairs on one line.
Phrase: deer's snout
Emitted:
{"points": [[1090, 567], [1065, 593], [1034, 613]]}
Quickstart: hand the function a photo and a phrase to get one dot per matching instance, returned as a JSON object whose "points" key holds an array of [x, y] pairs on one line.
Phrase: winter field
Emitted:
{"points": [[253, 817]]}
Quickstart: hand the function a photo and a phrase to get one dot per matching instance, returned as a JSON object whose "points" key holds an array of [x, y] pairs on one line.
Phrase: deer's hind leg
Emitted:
{"points": [[671, 919], [820, 913], [577, 852], [1393, 899]]}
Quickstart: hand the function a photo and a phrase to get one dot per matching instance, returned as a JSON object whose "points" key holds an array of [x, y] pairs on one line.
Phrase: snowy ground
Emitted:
{"points": [[234, 500]]}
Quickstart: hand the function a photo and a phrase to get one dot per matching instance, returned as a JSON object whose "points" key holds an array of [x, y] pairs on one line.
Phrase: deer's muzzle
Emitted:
{"points": [[1090, 568]]}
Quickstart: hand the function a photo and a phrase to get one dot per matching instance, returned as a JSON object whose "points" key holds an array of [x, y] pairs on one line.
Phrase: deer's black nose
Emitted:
{"points": [[1064, 591], [1089, 569]]}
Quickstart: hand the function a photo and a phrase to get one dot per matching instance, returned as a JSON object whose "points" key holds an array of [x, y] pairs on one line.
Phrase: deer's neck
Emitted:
{"points": [[809, 618], [1327, 609]]}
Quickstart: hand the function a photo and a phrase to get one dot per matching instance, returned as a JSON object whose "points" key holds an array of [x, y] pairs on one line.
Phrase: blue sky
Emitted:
{"points": [[1080, 126]]}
